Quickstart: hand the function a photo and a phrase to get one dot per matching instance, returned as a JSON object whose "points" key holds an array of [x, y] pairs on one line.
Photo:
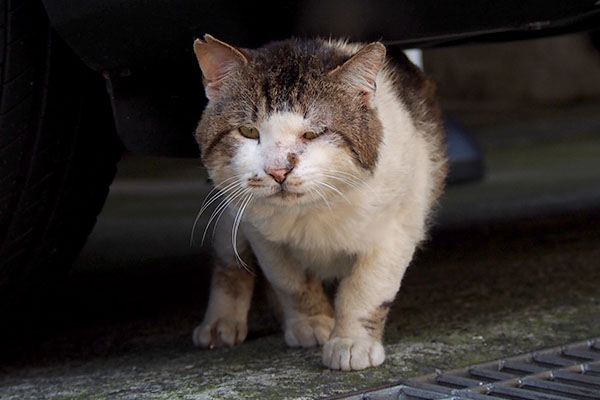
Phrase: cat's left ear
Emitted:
{"points": [[361, 70], [217, 60]]}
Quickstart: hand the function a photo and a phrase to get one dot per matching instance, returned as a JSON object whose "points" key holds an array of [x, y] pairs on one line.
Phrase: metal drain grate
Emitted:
{"points": [[559, 373]]}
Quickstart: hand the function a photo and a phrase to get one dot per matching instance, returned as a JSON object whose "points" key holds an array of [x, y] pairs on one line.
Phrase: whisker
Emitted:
{"points": [[205, 207], [357, 182], [221, 208], [322, 195], [343, 180], [217, 212], [212, 237], [347, 176], [247, 193], [215, 188], [223, 205], [333, 188], [235, 228], [208, 200], [230, 187], [214, 231]]}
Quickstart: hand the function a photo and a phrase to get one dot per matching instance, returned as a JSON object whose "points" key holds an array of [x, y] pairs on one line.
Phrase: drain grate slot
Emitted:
{"points": [[510, 392], [454, 394], [458, 381], [573, 378], [522, 367], [569, 372], [560, 388], [582, 354], [593, 367], [553, 360], [490, 374], [416, 393]]}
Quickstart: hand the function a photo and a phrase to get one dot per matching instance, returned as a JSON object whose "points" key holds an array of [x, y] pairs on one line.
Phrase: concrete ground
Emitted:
{"points": [[512, 266]]}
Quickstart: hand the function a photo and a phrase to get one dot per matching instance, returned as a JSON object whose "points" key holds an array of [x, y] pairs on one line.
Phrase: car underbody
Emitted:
{"points": [[145, 52]]}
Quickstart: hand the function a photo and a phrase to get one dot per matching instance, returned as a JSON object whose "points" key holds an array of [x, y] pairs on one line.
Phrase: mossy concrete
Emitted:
{"points": [[264, 368], [513, 266]]}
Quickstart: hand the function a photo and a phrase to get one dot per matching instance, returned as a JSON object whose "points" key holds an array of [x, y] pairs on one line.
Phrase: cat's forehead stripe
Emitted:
{"points": [[266, 93], [288, 71], [281, 96]]}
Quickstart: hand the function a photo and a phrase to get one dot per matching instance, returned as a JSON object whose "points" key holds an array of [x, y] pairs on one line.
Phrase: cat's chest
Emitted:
{"points": [[324, 263], [322, 231], [319, 243]]}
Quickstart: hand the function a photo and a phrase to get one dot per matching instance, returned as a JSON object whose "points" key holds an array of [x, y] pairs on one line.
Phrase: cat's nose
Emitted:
{"points": [[279, 174]]}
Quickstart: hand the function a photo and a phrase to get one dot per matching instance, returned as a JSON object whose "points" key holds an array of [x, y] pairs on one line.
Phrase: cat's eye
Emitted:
{"points": [[310, 135], [251, 133]]}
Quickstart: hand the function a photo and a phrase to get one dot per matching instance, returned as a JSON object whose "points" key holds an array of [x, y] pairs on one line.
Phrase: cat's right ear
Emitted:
{"points": [[360, 71], [217, 61]]}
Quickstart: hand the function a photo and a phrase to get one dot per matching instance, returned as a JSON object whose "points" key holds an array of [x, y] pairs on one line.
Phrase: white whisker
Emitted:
{"points": [[204, 208], [208, 200], [333, 188], [235, 228], [322, 195], [222, 192], [238, 214], [343, 180], [346, 175], [215, 188], [216, 223], [350, 179], [214, 231], [221, 208]]}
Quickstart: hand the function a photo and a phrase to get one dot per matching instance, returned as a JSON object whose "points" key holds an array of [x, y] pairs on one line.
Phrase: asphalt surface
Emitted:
{"points": [[512, 265]]}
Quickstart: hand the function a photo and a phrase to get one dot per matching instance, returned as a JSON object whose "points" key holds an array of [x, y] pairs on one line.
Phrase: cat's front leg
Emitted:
{"points": [[308, 315], [225, 322], [361, 307]]}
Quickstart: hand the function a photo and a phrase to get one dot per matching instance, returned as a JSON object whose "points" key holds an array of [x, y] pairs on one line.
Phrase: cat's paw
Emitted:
{"points": [[351, 354], [309, 331], [220, 333]]}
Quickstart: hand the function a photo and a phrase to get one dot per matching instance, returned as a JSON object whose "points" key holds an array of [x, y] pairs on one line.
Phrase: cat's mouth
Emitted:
{"points": [[285, 194]]}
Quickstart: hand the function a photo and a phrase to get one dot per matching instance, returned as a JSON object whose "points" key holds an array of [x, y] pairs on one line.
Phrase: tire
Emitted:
{"points": [[58, 152]]}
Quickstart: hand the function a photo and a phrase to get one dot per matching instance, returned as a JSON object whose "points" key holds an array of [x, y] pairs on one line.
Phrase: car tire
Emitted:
{"points": [[58, 151]]}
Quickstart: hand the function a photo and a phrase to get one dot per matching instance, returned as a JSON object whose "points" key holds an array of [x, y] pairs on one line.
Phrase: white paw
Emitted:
{"points": [[308, 331], [351, 354], [220, 333]]}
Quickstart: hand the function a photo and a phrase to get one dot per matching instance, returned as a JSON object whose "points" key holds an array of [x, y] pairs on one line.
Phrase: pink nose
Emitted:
{"points": [[279, 174]]}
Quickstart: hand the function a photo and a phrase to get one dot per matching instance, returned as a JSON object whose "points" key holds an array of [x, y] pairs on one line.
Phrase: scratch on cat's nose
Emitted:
{"points": [[292, 160], [279, 174]]}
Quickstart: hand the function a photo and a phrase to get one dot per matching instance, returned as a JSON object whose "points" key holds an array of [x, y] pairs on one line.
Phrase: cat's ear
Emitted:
{"points": [[361, 70], [217, 61]]}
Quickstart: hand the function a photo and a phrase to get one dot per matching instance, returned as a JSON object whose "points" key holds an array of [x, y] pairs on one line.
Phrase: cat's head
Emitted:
{"points": [[292, 122]]}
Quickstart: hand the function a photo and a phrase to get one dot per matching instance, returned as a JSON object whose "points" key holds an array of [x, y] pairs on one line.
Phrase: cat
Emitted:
{"points": [[329, 156]]}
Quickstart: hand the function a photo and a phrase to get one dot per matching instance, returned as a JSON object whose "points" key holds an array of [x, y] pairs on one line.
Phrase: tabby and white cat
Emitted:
{"points": [[329, 157]]}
